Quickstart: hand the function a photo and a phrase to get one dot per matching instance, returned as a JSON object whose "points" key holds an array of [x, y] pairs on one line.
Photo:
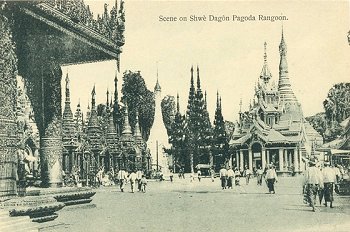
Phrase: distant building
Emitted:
{"points": [[158, 139], [97, 142], [273, 130], [338, 150]]}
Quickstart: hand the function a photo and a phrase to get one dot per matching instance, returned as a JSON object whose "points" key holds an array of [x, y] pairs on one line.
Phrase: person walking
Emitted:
{"points": [[271, 179], [121, 179], [247, 174], [237, 176], [259, 175], [313, 181], [329, 178], [171, 175], [212, 174], [139, 175], [132, 179], [230, 175], [143, 184], [199, 175], [223, 177]]}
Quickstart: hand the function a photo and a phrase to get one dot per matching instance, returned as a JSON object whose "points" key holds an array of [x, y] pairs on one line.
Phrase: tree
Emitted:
{"points": [[190, 125], [138, 98], [198, 128], [318, 122], [337, 103], [176, 138], [220, 140], [337, 109], [168, 112]]}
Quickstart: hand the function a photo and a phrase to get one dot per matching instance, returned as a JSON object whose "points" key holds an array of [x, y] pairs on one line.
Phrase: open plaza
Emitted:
{"points": [[203, 206]]}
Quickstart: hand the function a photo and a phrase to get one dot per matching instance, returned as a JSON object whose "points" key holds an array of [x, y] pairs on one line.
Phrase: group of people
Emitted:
{"points": [[227, 176], [134, 178], [320, 181]]}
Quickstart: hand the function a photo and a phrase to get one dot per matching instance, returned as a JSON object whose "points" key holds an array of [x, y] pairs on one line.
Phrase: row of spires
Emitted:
{"points": [[92, 118]]}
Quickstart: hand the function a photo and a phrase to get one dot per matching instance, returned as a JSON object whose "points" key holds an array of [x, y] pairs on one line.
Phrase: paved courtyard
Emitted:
{"points": [[185, 206]]}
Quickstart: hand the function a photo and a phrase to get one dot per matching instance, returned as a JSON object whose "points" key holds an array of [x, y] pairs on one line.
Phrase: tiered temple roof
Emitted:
{"points": [[94, 132], [276, 116], [68, 124]]}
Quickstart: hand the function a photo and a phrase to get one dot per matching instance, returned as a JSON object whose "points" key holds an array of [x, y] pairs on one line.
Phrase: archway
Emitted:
{"points": [[257, 155]]}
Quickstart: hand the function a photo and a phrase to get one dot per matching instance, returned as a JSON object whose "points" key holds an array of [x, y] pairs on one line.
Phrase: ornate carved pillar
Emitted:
{"points": [[280, 159], [51, 134], [250, 159], [241, 160], [237, 159], [263, 158], [267, 156], [211, 159], [8, 127], [285, 159]]}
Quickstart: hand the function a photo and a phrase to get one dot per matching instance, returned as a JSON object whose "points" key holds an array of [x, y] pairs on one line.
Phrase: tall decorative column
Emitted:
{"points": [[250, 159], [263, 158], [8, 127], [51, 138], [230, 160], [296, 160], [237, 159], [280, 159], [285, 158], [241, 159], [267, 156]]}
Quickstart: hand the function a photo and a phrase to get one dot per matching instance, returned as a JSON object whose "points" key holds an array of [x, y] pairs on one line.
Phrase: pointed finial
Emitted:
{"points": [[178, 103], [217, 98], [283, 46], [111, 102], [115, 78], [107, 93], [198, 79], [93, 95], [192, 82], [220, 103], [240, 105]]}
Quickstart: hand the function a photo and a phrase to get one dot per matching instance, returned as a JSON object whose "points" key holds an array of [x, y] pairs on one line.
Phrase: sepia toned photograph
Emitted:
{"points": [[130, 115]]}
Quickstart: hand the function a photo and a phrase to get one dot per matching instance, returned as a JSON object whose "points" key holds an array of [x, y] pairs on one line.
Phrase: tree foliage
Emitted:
{"points": [[168, 112], [138, 98], [337, 103], [337, 109], [220, 139], [198, 127], [318, 122], [177, 140]]}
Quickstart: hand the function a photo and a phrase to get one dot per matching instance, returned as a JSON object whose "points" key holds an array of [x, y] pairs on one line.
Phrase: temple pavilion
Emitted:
{"points": [[273, 130]]}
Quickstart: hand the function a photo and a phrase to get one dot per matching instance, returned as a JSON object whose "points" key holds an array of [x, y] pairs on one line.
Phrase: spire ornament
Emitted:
{"points": [[284, 86], [265, 74]]}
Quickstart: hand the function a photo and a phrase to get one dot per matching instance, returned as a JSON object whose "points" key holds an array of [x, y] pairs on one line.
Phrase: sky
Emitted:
{"points": [[229, 54]]}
